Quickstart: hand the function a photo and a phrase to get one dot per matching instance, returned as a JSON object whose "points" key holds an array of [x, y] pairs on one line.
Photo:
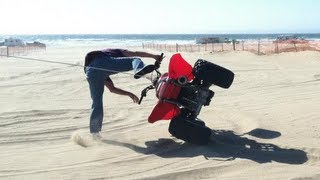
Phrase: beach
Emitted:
{"points": [[268, 121]]}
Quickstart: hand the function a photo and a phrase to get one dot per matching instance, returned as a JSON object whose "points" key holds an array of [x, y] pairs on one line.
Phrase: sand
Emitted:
{"points": [[267, 122]]}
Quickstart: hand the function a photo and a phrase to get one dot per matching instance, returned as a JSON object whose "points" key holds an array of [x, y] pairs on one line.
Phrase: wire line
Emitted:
{"points": [[64, 63]]}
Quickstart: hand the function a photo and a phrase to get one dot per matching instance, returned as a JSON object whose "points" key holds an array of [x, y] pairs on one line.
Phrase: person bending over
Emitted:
{"points": [[100, 65]]}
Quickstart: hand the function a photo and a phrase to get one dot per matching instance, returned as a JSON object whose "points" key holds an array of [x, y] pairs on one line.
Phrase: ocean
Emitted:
{"points": [[137, 39]]}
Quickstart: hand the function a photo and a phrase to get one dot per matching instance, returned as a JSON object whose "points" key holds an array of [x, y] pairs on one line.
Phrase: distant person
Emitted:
{"points": [[111, 61]]}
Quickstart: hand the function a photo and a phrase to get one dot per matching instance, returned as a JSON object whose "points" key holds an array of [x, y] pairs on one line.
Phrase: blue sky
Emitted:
{"points": [[159, 16]]}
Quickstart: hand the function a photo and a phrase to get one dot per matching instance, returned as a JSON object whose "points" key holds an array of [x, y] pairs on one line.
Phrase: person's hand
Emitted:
{"points": [[134, 98], [160, 58]]}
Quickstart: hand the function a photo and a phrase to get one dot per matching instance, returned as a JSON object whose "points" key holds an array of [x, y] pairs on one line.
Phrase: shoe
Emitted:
{"points": [[96, 136], [145, 70]]}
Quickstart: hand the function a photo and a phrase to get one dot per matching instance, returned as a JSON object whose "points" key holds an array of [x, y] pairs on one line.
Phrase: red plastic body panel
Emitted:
{"points": [[165, 89]]}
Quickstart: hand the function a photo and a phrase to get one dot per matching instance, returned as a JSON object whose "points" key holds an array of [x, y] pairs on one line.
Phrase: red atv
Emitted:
{"points": [[182, 92]]}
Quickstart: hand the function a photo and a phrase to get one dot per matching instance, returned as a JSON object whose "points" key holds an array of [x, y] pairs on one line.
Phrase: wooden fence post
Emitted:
{"points": [[277, 47], [242, 45], [259, 47], [222, 46], [234, 44], [142, 46], [7, 51], [177, 47], [212, 47], [295, 47]]}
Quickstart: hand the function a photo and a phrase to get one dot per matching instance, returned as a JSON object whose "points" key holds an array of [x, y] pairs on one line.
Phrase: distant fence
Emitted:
{"points": [[258, 47], [6, 51]]}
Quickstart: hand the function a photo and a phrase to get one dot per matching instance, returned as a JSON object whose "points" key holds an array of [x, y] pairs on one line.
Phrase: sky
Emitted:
{"points": [[158, 16]]}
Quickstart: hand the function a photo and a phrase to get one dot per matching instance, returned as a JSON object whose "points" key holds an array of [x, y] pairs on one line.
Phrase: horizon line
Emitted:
{"points": [[277, 33]]}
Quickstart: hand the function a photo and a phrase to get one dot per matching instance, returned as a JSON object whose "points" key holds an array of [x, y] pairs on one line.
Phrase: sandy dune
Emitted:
{"points": [[267, 124]]}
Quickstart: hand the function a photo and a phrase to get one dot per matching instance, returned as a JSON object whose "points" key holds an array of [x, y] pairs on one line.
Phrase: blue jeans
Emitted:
{"points": [[96, 79]]}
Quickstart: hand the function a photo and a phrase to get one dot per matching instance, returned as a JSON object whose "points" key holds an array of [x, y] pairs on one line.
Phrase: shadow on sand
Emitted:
{"points": [[226, 146]]}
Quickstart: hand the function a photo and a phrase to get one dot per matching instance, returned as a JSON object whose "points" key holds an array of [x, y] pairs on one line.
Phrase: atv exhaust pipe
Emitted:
{"points": [[182, 80]]}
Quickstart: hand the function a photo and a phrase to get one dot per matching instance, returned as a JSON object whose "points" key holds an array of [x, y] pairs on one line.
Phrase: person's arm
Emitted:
{"points": [[109, 84], [128, 53]]}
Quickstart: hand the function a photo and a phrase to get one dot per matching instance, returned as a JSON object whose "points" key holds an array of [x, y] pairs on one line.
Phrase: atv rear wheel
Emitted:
{"points": [[189, 131], [211, 73]]}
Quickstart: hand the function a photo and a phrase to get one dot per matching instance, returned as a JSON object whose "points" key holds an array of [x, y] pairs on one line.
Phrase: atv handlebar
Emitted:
{"points": [[144, 92], [157, 66], [158, 61]]}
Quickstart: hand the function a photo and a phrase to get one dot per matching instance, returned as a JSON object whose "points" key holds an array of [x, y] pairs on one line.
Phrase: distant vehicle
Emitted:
{"points": [[290, 39], [207, 40], [37, 43], [210, 40], [13, 42]]}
